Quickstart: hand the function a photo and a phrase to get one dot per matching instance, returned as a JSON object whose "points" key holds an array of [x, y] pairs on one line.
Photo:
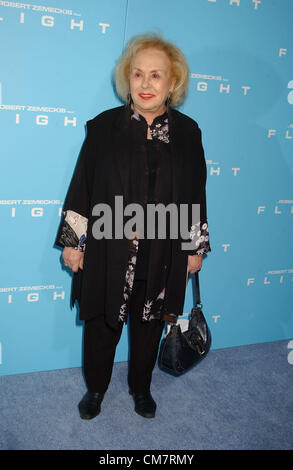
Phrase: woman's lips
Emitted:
{"points": [[145, 96]]}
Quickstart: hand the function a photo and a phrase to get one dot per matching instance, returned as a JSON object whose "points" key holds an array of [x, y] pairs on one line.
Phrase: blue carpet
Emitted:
{"points": [[236, 399]]}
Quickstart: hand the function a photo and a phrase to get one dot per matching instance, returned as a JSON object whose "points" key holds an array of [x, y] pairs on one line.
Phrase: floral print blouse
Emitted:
{"points": [[74, 232]]}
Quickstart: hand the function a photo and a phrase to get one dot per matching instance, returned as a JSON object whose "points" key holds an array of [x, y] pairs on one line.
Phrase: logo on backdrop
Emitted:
{"points": [[39, 118], [48, 20], [37, 114], [32, 293], [15, 205], [288, 134], [202, 84], [236, 3], [274, 276], [215, 170], [50, 17], [277, 208]]}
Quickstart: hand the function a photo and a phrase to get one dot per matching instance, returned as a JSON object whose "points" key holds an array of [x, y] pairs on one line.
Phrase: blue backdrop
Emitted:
{"points": [[57, 60]]}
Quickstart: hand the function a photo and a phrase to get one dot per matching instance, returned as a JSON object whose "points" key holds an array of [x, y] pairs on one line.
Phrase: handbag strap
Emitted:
{"points": [[198, 301], [197, 290]]}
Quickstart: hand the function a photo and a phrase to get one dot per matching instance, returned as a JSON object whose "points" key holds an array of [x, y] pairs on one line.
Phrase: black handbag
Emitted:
{"points": [[180, 351]]}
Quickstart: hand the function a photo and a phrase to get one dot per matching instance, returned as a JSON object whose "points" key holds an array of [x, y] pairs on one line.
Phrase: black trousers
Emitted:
{"points": [[100, 343]]}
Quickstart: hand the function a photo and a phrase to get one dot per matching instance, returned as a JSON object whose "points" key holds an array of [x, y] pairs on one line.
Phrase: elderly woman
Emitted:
{"points": [[146, 152]]}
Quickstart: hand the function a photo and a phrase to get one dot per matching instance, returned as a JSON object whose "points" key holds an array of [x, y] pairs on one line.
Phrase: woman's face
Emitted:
{"points": [[150, 81]]}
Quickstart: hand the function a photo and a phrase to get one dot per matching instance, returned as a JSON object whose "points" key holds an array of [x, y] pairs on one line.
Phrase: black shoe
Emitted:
{"points": [[90, 405], [144, 404]]}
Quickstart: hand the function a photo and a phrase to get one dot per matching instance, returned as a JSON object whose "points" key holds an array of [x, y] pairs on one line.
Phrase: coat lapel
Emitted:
{"points": [[122, 148], [176, 140]]}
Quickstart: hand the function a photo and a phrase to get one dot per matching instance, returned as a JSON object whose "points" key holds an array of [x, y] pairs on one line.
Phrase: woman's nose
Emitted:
{"points": [[145, 82]]}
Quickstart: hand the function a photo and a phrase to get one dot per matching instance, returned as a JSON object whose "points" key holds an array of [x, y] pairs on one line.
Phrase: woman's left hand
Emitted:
{"points": [[194, 263]]}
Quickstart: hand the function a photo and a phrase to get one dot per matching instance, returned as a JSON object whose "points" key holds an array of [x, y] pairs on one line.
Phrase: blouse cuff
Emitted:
{"points": [[73, 230], [202, 244]]}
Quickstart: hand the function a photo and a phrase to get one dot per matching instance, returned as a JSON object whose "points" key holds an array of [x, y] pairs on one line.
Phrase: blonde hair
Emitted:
{"points": [[179, 65]]}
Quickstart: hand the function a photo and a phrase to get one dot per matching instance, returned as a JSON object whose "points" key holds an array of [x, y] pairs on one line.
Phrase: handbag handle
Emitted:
{"points": [[197, 290], [198, 302]]}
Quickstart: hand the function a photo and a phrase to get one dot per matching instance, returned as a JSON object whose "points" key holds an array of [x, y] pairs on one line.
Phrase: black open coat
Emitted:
{"points": [[101, 173]]}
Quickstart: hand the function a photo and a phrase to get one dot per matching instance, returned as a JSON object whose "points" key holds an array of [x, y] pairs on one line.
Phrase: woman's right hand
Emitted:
{"points": [[73, 258]]}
